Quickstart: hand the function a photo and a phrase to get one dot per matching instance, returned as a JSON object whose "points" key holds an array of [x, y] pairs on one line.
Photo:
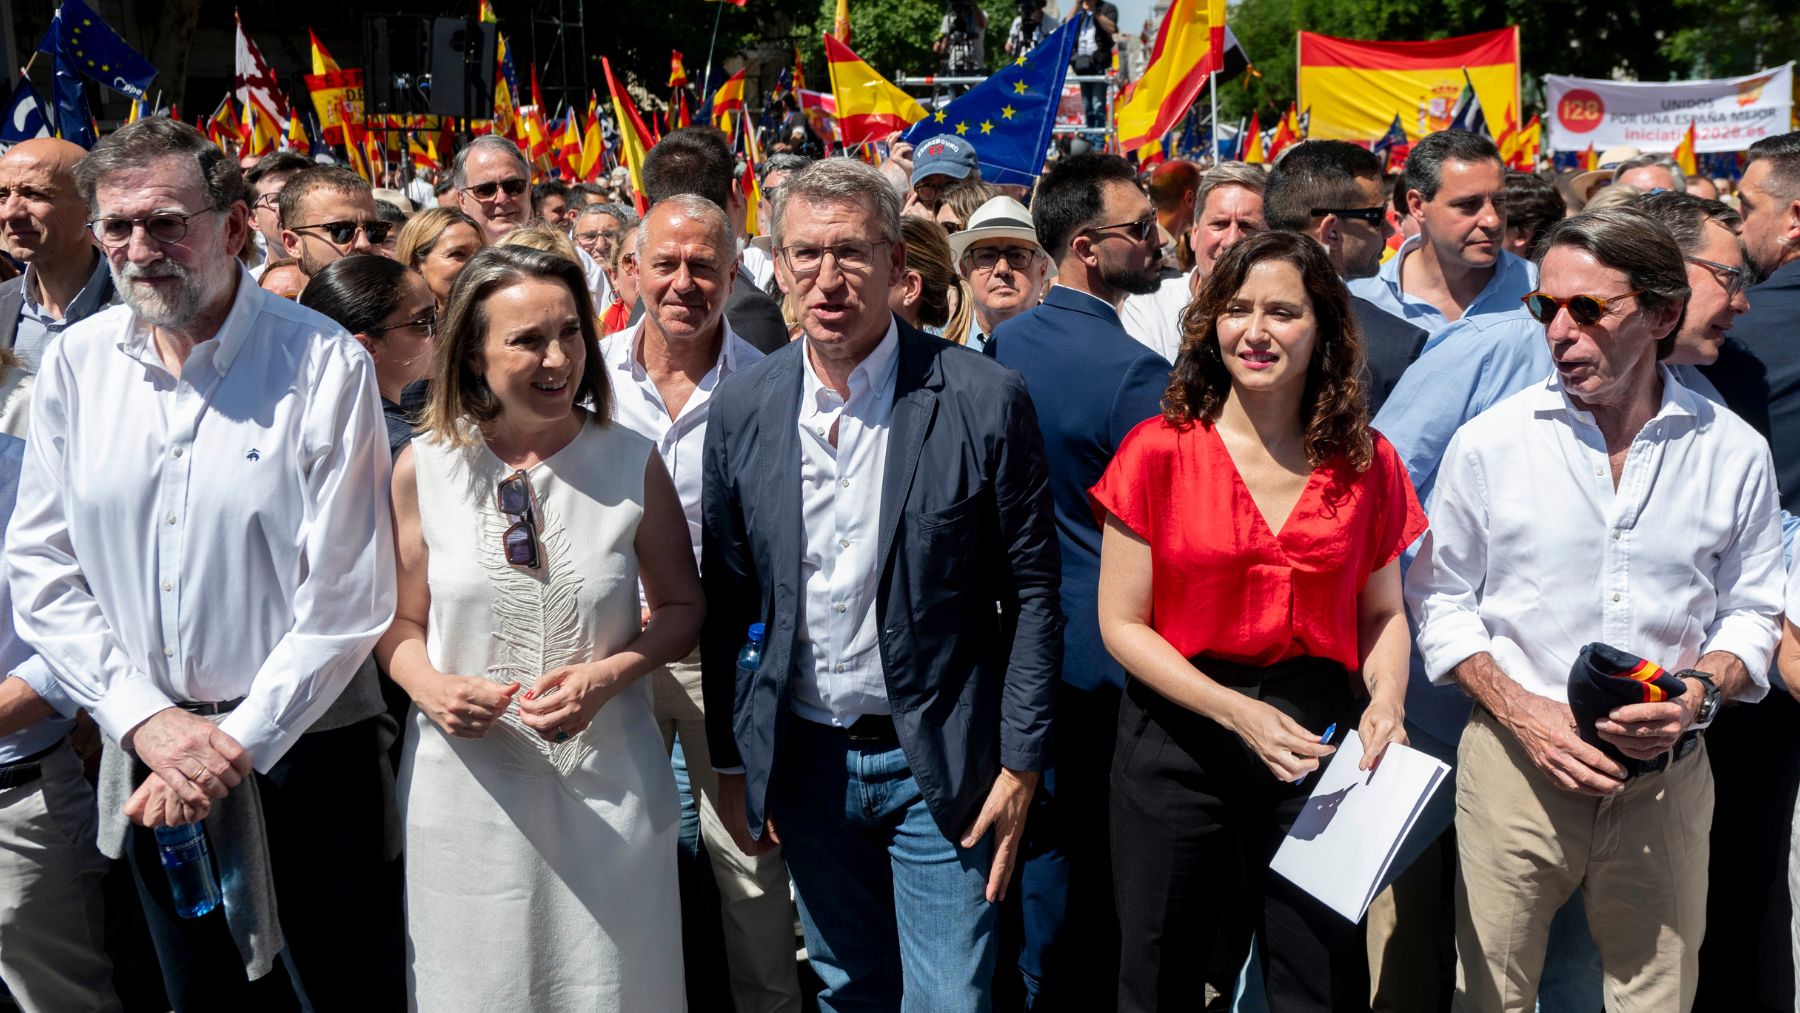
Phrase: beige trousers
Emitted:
{"points": [[52, 951], [1526, 846], [757, 907]]}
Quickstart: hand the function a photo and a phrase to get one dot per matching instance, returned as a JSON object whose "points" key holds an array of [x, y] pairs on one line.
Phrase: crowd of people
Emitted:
{"points": [[923, 595]]}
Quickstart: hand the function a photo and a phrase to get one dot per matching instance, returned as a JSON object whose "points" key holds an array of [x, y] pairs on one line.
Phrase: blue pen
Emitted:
{"points": [[1330, 730]]}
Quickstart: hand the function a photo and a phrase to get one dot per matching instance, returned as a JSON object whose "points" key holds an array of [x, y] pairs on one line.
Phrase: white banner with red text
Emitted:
{"points": [[1729, 114]]}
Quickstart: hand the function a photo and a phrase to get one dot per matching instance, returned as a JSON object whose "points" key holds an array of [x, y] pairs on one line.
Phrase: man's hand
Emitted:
{"points": [[900, 153], [196, 760], [1547, 731], [1008, 803], [737, 821], [155, 804], [1644, 731]]}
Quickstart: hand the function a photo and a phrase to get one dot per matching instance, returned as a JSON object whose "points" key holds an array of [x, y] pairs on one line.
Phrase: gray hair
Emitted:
{"points": [[459, 174], [154, 137], [839, 180], [1685, 216], [626, 217], [1626, 239], [1228, 174], [694, 208], [1654, 161], [784, 162]]}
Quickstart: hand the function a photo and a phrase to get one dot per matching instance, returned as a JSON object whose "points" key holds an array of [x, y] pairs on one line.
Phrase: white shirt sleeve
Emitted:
{"points": [[345, 597], [1750, 583], [1443, 586]]}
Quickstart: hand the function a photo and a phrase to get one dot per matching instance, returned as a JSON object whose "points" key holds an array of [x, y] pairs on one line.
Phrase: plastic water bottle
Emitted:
{"points": [[187, 860], [750, 658]]}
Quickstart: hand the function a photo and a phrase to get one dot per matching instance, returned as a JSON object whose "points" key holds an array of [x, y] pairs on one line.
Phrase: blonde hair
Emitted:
{"points": [[541, 237], [423, 230], [928, 253]]}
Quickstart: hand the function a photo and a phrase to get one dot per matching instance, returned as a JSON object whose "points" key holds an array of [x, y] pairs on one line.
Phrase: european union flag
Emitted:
{"points": [[25, 118], [74, 121], [1008, 117], [90, 46]]}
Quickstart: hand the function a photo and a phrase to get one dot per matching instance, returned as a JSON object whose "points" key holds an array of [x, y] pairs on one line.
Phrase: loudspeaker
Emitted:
{"points": [[462, 68], [396, 61]]}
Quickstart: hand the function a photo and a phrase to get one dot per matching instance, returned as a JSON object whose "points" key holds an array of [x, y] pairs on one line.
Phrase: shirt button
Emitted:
{"points": [[1615, 596], [168, 585], [843, 543], [841, 607], [171, 518], [837, 668], [845, 483], [1615, 534], [168, 652], [177, 451], [1599, 471]]}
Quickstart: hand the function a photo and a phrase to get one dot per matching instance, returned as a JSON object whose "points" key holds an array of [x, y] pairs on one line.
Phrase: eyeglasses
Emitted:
{"points": [[588, 238], [516, 500], [164, 227], [485, 191], [1733, 280], [341, 233], [267, 202], [426, 323], [1583, 309], [1142, 229], [850, 256], [1374, 216], [986, 258]]}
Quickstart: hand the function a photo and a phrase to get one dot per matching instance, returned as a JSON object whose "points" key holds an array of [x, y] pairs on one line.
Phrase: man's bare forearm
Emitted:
{"points": [[1729, 673], [20, 705], [1480, 677]]}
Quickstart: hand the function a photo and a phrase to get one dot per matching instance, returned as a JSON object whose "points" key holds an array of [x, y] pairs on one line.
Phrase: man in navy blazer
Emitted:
{"points": [[1092, 383], [879, 501]]}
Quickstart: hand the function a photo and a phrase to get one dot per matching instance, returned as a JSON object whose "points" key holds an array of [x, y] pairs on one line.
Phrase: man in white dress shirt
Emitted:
{"points": [[1608, 504], [201, 554], [1228, 205], [664, 370]]}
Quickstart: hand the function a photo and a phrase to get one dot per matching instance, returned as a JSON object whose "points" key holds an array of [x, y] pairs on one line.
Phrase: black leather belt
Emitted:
{"points": [[873, 729], [1684, 747], [206, 710], [22, 772]]}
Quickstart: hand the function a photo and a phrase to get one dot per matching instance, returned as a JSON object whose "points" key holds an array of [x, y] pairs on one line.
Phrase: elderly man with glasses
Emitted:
{"points": [[201, 555], [999, 256], [328, 212], [877, 500], [492, 183], [1603, 570]]}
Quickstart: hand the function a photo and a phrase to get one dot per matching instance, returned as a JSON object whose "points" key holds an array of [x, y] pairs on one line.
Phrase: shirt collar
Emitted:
{"points": [[85, 302], [1506, 266], [1677, 399], [624, 352], [224, 345], [875, 373]]}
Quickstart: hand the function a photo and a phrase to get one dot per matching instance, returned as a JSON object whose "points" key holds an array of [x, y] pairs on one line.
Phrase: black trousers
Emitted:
{"points": [[1196, 818], [324, 804]]}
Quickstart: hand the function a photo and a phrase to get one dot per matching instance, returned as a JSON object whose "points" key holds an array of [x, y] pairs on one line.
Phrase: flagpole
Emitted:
{"points": [[1212, 85], [706, 78]]}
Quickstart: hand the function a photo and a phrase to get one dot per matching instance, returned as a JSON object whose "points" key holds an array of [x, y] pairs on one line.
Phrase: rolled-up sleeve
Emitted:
{"points": [[1750, 582], [1443, 586], [344, 600]]}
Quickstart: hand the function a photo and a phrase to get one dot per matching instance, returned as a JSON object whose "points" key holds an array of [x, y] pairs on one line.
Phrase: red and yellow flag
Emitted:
{"points": [[568, 152], [1251, 150], [1684, 152], [1286, 132], [223, 127], [869, 107], [730, 96], [634, 137], [677, 72], [1589, 160], [840, 24], [322, 63], [1356, 88], [593, 143], [1189, 45]]}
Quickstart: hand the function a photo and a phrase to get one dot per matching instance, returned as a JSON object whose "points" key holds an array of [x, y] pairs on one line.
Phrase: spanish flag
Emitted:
{"points": [[840, 24], [296, 137], [869, 107], [593, 143], [1189, 46], [1356, 88], [322, 63], [730, 97], [677, 72], [1684, 152], [1250, 151], [634, 137], [1589, 160]]}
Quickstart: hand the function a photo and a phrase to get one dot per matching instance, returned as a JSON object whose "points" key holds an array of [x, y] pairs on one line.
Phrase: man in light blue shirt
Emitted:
{"points": [[53, 957], [1457, 266]]}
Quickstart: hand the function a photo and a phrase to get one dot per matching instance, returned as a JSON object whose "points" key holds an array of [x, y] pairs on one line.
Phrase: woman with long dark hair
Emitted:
{"points": [[1250, 585]]}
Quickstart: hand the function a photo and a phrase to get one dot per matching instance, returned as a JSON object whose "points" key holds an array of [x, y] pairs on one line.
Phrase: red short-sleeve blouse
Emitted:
{"points": [[1223, 585]]}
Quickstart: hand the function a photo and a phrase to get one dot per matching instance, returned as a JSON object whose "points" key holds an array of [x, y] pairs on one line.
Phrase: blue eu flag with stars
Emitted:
{"points": [[89, 45], [1008, 117], [24, 115]]}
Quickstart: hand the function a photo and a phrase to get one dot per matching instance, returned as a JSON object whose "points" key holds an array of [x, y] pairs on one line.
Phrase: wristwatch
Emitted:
{"points": [[1709, 706]]}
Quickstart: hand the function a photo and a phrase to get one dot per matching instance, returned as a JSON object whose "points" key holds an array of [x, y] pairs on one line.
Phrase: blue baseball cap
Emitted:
{"points": [[944, 155]]}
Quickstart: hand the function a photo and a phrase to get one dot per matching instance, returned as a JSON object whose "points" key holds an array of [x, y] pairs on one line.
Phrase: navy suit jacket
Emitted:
{"points": [[970, 626], [1390, 344], [1091, 383], [1758, 373]]}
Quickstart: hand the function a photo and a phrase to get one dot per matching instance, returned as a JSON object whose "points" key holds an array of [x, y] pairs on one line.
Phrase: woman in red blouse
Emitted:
{"points": [[1250, 585]]}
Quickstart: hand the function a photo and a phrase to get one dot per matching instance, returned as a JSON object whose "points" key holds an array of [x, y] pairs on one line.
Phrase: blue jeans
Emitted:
{"points": [[894, 913]]}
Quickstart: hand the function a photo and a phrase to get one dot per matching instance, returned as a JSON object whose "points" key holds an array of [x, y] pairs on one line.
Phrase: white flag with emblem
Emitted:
{"points": [[256, 86]]}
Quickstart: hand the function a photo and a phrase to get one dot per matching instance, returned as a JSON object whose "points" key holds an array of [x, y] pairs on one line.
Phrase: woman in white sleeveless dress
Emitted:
{"points": [[539, 808]]}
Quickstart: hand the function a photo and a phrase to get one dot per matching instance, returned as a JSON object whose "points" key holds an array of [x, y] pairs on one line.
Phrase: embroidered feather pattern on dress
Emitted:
{"points": [[538, 623]]}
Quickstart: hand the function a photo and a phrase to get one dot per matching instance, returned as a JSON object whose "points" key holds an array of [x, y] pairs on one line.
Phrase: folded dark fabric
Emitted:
{"points": [[1604, 679]]}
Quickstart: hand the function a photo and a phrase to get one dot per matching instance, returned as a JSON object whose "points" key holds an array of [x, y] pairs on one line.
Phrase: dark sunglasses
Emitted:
{"points": [[485, 191], [426, 323], [1585, 310], [1374, 216], [341, 233], [1732, 278], [1141, 230], [515, 499]]}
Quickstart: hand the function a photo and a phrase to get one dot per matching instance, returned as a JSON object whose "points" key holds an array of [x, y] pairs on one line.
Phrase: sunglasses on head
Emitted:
{"points": [[341, 233], [520, 543], [1584, 309], [485, 191]]}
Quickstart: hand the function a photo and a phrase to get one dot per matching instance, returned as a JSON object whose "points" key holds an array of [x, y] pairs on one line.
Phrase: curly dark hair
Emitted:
{"points": [[1334, 411]]}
